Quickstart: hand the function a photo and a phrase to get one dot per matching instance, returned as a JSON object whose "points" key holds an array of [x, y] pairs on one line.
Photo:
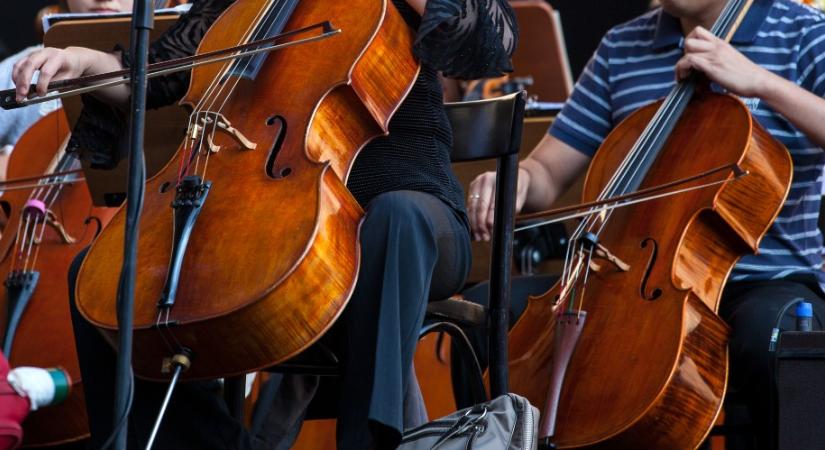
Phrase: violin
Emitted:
{"points": [[50, 221], [258, 253], [626, 350]]}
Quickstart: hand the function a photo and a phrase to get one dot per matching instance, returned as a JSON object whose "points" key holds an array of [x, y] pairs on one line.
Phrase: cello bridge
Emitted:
{"points": [[601, 252], [52, 221], [212, 122]]}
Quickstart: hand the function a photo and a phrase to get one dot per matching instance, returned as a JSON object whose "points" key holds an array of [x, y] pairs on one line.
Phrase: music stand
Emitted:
{"points": [[165, 127]]}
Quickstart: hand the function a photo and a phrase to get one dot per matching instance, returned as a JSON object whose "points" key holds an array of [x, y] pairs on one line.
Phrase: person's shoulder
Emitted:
{"points": [[794, 14], [642, 27]]}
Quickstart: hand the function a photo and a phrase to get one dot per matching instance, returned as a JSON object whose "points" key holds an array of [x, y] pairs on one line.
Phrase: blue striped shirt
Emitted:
{"points": [[633, 66]]}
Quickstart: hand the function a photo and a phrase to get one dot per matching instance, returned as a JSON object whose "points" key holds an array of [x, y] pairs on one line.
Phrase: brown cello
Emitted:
{"points": [[259, 252], [627, 351], [50, 221]]}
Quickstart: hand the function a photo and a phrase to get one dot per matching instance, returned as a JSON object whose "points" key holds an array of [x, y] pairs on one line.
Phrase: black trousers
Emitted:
{"points": [[413, 248], [751, 310]]}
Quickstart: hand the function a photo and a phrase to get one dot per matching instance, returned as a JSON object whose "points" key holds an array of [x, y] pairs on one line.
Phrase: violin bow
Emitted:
{"points": [[82, 85], [642, 195]]}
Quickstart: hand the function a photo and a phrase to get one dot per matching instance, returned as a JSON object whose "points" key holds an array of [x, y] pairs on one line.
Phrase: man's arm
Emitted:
{"points": [[550, 169], [732, 70]]}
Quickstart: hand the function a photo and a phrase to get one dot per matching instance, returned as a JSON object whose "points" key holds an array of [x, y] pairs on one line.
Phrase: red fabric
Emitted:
{"points": [[13, 409]]}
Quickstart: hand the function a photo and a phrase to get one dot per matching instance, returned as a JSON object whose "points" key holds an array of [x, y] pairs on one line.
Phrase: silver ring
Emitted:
{"points": [[475, 196]]}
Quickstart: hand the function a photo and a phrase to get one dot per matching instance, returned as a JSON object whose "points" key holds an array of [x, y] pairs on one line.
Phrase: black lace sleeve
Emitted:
{"points": [[179, 41], [468, 38], [100, 133]]}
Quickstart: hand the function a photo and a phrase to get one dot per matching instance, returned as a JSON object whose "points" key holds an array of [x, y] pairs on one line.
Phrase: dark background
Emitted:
{"points": [[17, 29], [584, 22]]}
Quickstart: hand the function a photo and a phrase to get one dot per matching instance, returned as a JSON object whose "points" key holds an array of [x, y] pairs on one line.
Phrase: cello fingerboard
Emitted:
{"points": [[272, 24]]}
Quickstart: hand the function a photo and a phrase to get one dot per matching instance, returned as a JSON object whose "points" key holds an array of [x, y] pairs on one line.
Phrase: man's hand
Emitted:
{"points": [[722, 63]]}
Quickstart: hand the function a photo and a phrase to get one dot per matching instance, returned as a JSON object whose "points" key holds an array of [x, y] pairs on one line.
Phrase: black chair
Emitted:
{"points": [[483, 129], [487, 129]]}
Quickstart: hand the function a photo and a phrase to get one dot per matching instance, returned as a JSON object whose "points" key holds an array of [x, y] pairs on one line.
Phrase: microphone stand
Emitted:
{"points": [[142, 23]]}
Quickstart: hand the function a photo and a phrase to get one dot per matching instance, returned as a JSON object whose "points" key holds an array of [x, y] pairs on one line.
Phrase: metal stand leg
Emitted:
{"points": [[180, 362]]}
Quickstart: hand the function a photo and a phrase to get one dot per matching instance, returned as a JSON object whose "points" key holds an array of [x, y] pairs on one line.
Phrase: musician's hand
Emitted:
{"points": [[53, 64], [722, 63], [481, 202]]}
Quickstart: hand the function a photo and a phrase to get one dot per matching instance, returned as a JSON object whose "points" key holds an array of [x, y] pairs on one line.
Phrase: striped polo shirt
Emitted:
{"points": [[634, 65]]}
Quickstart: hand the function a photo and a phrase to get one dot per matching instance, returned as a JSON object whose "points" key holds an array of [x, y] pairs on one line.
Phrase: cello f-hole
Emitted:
{"points": [[96, 220], [643, 290], [271, 170]]}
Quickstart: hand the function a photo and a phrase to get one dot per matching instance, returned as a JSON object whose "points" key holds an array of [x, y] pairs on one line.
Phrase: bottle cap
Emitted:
{"points": [[804, 309], [62, 385]]}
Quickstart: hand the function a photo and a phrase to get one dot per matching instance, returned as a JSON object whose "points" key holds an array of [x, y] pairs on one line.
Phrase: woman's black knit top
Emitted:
{"points": [[459, 38]]}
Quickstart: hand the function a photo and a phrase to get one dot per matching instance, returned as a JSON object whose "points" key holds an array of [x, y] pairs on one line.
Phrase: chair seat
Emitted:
{"points": [[458, 310], [318, 359]]}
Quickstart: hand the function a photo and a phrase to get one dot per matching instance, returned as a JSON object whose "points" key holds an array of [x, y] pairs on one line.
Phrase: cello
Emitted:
{"points": [[258, 254], [627, 350], [50, 221]]}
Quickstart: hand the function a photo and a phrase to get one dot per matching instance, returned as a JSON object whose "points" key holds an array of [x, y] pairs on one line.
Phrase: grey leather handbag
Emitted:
{"points": [[508, 422]]}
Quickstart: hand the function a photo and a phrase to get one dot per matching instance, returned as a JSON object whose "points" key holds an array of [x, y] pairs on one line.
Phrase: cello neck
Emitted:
{"points": [[730, 19], [632, 172]]}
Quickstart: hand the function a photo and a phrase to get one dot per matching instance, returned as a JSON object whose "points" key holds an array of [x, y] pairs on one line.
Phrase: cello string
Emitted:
{"points": [[666, 112], [255, 31], [680, 95], [645, 143], [17, 243], [261, 32], [250, 30], [214, 97], [594, 213], [193, 117], [21, 238], [628, 161], [35, 236], [729, 14], [212, 93], [261, 29]]}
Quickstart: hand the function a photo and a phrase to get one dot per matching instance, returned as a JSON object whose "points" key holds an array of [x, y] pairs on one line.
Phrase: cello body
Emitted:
{"points": [[649, 370], [273, 256], [44, 337]]}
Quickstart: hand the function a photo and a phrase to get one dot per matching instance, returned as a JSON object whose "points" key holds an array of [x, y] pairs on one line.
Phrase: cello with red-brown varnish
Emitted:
{"points": [[44, 336], [649, 368], [273, 255]]}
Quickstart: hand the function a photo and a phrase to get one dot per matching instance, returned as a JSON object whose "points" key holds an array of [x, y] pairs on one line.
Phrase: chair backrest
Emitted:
{"points": [[542, 53], [485, 129]]}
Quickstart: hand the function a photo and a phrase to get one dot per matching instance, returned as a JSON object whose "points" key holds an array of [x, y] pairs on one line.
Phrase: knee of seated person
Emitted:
{"points": [[401, 208]]}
